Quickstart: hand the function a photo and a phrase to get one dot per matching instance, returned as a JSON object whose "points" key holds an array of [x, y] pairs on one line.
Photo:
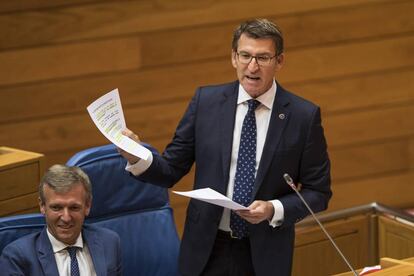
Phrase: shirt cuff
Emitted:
{"points": [[278, 215], [139, 167]]}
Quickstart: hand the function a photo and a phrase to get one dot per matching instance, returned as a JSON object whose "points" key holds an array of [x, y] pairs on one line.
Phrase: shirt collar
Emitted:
{"points": [[59, 246], [265, 99]]}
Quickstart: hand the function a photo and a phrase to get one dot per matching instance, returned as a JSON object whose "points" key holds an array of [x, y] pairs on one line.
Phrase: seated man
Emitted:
{"points": [[65, 197]]}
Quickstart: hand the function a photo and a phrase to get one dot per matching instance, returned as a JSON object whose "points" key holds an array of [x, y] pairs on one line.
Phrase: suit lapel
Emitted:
{"points": [[278, 121], [45, 254], [95, 249], [226, 120]]}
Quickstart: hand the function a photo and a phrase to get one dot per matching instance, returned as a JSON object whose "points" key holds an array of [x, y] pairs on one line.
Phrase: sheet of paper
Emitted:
{"points": [[213, 197], [106, 112], [370, 269]]}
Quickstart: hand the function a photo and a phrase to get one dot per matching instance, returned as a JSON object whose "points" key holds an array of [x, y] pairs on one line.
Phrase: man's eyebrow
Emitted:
{"points": [[258, 54]]}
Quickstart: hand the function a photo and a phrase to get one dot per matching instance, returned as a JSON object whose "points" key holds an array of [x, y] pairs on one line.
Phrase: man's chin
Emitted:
{"points": [[69, 239], [66, 236], [254, 90]]}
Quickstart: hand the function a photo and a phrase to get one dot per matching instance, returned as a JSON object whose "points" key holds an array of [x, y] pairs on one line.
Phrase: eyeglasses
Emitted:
{"points": [[262, 60]]}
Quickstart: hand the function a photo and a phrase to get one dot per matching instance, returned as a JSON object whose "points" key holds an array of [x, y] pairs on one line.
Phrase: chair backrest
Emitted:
{"points": [[14, 227], [139, 212]]}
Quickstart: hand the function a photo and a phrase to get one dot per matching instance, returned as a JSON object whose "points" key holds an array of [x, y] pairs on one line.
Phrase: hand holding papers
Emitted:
{"points": [[106, 112], [213, 197]]}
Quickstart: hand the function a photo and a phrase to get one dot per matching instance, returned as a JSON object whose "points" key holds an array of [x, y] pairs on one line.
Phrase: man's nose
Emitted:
{"points": [[253, 66], [65, 216]]}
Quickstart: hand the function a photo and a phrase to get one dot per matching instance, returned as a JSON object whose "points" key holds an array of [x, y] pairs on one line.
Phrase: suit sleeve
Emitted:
{"points": [[12, 262], [313, 175], [118, 256]]}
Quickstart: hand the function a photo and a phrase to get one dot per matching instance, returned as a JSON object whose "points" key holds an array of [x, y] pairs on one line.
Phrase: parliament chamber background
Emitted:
{"points": [[354, 58]]}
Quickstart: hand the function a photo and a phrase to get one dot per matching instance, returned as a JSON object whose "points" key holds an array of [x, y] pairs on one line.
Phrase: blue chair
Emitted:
{"points": [[14, 227], [139, 212]]}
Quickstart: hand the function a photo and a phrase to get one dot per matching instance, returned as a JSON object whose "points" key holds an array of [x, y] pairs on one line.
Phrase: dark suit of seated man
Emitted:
{"points": [[65, 246]]}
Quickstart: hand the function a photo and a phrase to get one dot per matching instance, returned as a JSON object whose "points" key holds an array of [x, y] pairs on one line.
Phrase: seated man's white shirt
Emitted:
{"points": [[62, 257]]}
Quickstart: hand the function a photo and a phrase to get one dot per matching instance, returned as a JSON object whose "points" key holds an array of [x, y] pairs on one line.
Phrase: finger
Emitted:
{"points": [[130, 135], [254, 205], [126, 132], [247, 216]]}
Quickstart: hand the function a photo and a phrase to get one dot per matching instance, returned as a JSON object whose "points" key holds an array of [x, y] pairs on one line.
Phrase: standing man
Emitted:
{"points": [[65, 246], [243, 136]]}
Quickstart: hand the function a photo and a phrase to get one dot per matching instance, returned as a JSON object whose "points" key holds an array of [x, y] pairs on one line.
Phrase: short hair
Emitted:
{"points": [[259, 28], [62, 178]]}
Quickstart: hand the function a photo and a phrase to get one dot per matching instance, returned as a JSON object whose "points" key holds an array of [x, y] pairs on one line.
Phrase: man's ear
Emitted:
{"points": [[233, 59], [88, 206], [41, 206], [280, 61]]}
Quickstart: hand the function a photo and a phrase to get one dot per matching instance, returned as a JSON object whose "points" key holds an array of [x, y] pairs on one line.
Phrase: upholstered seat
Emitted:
{"points": [[139, 212]]}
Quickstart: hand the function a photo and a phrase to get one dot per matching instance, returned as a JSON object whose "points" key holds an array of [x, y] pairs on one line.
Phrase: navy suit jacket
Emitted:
{"points": [[33, 254], [295, 144]]}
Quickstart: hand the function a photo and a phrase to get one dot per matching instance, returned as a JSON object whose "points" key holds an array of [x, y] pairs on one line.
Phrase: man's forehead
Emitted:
{"points": [[264, 45], [74, 191]]}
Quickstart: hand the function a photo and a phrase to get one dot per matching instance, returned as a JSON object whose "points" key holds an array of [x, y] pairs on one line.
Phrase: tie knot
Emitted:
{"points": [[72, 250], [253, 104]]}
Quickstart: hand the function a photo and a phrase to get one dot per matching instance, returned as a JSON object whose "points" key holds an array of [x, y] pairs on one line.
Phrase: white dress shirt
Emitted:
{"points": [[263, 113], [62, 257]]}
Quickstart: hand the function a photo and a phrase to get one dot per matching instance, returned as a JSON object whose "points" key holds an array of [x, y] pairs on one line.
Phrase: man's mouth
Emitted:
{"points": [[65, 227], [253, 78]]}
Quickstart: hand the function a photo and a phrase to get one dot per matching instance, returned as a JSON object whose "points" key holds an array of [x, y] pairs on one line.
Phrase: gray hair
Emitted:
{"points": [[62, 178], [259, 28]]}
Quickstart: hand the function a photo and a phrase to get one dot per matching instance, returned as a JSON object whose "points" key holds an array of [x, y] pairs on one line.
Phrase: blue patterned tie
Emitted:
{"points": [[74, 267], [245, 170]]}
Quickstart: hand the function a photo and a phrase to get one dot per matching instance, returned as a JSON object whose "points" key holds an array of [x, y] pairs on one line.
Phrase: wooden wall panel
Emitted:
{"points": [[370, 125], [354, 58], [146, 88], [341, 60], [347, 24], [366, 91], [301, 30], [370, 160], [80, 128], [137, 90], [392, 189], [62, 61], [24, 5], [108, 18]]}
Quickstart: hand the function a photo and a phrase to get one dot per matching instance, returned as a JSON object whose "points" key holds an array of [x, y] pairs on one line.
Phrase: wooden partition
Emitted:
{"points": [[396, 237], [315, 255], [389, 267], [20, 174], [364, 234], [352, 57]]}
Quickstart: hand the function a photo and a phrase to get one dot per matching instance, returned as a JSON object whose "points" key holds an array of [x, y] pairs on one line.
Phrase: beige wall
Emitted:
{"points": [[354, 58]]}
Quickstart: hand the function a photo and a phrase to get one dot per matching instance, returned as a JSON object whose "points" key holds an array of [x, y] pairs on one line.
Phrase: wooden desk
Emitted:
{"points": [[20, 173], [364, 234], [390, 267]]}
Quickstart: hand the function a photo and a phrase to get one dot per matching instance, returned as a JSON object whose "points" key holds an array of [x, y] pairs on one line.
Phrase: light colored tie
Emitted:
{"points": [[245, 169]]}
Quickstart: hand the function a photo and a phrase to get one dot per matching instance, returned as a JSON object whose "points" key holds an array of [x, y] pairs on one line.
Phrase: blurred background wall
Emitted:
{"points": [[354, 58]]}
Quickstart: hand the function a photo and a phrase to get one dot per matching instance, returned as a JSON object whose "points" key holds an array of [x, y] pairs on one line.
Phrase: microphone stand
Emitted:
{"points": [[289, 181]]}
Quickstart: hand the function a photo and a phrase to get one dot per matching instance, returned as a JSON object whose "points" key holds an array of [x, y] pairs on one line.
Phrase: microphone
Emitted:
{"points": [[289, 181]]}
